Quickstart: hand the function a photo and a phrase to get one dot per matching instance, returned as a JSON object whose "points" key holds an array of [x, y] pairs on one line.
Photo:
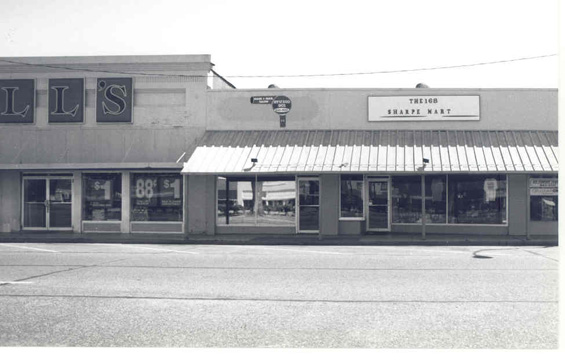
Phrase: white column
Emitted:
{"points": [[125, 228], [76, 202]]}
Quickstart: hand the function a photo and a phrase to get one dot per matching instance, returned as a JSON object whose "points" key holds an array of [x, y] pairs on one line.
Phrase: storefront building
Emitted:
{"points": [[95, 144], [144, 145], [443, 161]]}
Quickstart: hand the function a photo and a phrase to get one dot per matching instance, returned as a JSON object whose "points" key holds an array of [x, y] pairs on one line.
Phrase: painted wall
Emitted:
{"points": [[501, 109], [10, 201], [201, 208], [452, 229], [329, 204], [517, 204], [543, 228]]}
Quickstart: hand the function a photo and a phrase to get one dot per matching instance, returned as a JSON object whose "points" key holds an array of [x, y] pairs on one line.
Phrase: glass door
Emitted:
{"points": [[59, 204], [308, 205], [35, 203], [378, 204], [47, 203]]}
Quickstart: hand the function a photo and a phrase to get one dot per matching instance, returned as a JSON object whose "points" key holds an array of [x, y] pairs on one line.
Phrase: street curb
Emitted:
{"points": [[291, 240]]}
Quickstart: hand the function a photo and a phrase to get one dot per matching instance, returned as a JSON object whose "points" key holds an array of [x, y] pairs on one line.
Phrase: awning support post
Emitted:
{"points": [[527, 208], [227, 201], [423, 207]]}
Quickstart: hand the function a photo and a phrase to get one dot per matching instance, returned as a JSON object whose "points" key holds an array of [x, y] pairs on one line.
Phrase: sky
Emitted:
{"points": [[301, 37]]}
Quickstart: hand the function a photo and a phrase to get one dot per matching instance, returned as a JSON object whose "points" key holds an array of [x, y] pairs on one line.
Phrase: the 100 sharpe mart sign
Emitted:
{"points": [[418, 108], [66, 100]]}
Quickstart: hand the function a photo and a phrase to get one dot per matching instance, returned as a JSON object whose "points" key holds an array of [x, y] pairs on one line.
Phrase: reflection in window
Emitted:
{"points": [[352, 196], [477, 199], [406, 199], [102, 197], [543, 208], [262, 203], [156, 197]]}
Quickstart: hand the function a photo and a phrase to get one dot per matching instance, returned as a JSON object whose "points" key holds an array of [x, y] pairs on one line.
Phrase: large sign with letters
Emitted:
{"points": [[66, 100], [114, 100], [424, 108], [17, 101]]}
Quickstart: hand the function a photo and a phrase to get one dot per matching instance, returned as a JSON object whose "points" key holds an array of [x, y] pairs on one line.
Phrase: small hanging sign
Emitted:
{"points": [[281, 106]]}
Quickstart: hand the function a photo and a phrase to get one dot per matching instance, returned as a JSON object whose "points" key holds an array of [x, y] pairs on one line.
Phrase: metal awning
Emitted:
{"points": [[345, 151]]}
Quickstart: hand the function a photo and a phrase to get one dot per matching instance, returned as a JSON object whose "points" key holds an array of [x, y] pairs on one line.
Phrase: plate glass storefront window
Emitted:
{"points": [[477, 199], [265, 202], [436, 203], [156, 197], [543, 208], [102, 197], [351, 196], [406, 199]]}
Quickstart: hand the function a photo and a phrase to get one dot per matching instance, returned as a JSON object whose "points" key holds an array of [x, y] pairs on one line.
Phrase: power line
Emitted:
{"points": [[405, 70], [283, 76]]}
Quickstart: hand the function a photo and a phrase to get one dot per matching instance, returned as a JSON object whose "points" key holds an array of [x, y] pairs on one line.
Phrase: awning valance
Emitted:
{"points": [[345, 151]]}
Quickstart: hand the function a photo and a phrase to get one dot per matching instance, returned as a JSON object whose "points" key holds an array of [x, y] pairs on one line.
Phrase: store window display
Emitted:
{"points": [[156, 197], [406, 199], [102, 197], [351, 196], [477, 199]]}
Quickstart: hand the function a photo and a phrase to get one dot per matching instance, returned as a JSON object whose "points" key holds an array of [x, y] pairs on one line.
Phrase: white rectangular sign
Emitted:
{"points": [[543, 192], [543, 182], [419, 108]]}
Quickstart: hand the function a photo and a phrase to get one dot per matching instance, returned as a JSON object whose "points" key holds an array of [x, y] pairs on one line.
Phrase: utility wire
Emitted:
{"points": [[407, 70], [282, 76]]}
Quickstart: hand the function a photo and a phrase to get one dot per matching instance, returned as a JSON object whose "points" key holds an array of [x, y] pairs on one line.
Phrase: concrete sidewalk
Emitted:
{"points": [[373, 239]]}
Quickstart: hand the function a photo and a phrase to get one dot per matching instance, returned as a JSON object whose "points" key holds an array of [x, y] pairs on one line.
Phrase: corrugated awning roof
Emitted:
{"points": [[339, 151]]}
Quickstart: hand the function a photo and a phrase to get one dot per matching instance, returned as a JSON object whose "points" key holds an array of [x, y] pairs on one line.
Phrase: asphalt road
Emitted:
{"points": [[143, 295]]}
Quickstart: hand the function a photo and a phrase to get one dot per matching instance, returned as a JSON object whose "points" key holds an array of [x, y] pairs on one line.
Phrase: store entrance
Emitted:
{"points": [[308, 205], [47, 203], [378, 204]]}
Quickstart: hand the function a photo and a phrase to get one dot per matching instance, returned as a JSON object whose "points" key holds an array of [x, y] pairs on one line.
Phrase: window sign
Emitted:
{"points": [[156, 197], [66, 100], [114, 100], [102, 197], [17, 101], [543, 187]]}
